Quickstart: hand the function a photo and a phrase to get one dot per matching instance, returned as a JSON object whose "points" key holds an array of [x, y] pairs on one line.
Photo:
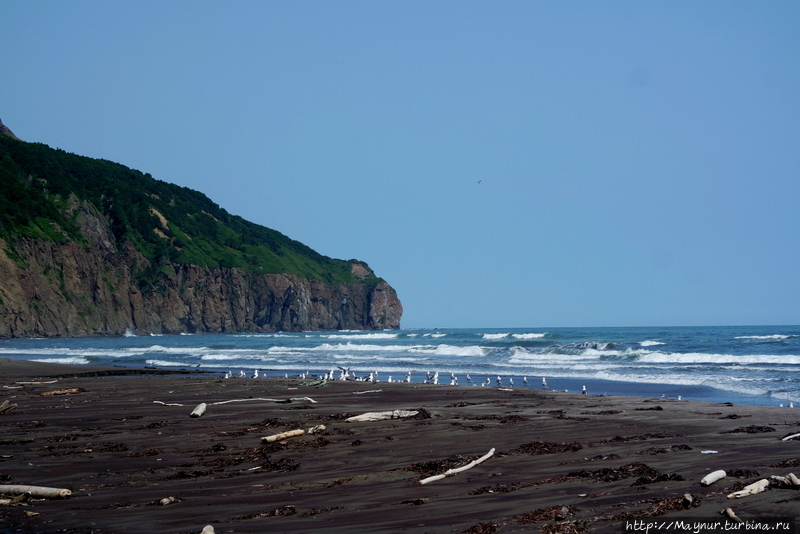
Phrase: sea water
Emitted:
{"points": [[741, 364]]}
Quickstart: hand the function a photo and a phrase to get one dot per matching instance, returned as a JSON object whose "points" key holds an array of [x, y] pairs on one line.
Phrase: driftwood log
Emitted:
{"points": [[380, 416], [6, 407], [791, 437], [68, 391], [752, 489], [208, 529], [38, 492], [293, 434], [713, 477], [451, 472], [730, 514], [199, 410]]}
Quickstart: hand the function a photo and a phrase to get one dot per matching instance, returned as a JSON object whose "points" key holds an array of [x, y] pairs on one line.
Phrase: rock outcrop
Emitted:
{"points": [[69, 289]]}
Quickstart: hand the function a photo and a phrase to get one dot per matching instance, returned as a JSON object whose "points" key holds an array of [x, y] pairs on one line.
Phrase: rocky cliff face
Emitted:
{"points": [[74, 289]]}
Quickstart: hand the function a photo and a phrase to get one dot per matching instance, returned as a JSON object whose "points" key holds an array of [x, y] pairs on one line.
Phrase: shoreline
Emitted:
{"points": [[565, 462]]}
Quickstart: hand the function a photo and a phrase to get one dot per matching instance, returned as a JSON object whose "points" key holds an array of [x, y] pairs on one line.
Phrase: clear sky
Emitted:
{"points": [[500, 163]]}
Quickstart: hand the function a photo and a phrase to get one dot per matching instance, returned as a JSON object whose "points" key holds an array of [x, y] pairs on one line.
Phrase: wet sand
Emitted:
{"points": [[563, 462]]}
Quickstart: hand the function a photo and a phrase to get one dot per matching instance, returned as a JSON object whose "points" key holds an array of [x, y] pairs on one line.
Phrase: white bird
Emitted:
{"points": [[584, 391], [544, 382], [228, 374], [242, 375], [389, 379], [255, 373], [511, 382], [487, 382], [408, 377], [525, 380], [679, 397], [436, 377], [469, 379], [791, 405], [371, 377], [453, 380], [499, 381]]}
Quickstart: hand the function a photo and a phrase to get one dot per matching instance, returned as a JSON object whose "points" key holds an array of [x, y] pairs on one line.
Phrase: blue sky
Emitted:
{"points": [[507, 164]]}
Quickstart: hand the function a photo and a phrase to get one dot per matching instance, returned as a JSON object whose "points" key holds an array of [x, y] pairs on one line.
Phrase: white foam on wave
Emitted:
{"points": [[435, 334], [650, 343], [528, 336], [451, 350], [775, 337], [165, 363], [492, 337], [372, 335], [701, 357], [76, 360]]}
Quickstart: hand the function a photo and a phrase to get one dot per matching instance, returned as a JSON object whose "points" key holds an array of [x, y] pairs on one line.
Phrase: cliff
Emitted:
{"points": [[86, 253]]}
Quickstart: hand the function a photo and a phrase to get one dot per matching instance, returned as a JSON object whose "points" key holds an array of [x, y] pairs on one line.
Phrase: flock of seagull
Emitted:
{"points": [[431, 378]]}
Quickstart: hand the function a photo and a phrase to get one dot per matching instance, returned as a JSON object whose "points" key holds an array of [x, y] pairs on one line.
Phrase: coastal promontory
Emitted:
{"points": [[90, 247]]}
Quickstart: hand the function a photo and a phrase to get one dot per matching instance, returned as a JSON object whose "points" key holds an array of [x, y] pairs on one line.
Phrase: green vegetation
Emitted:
{"points": [[167, 223]]}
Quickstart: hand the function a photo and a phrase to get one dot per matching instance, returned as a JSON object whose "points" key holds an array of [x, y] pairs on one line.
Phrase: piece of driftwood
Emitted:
{"points": [[455, 471], [789, 481], [37, 492], [208, 529], [6, 407], [380, 416], [752, 489], [199, 410], [730, 514], [790, 437], [713, 477], [68, 391], [165, 404], [22, 498], [367, 391], [168, 500], [36, 383], [291, 399], [284, 435]]}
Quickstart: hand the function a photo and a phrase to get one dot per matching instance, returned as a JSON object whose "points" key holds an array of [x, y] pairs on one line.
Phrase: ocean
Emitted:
{"points": [[739, 364]]}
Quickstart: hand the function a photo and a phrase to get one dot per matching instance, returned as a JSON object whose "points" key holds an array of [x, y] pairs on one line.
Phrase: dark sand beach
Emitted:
{"points": [[563, 462]]}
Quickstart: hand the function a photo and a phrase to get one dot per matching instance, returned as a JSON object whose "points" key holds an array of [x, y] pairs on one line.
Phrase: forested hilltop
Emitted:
{"points": [[91, 247]]}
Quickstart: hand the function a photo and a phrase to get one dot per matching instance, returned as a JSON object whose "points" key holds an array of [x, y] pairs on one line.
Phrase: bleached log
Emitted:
{"points": [[199, 410], [208, 529], [367, 391], [451, 472], [752, 489], [793, 479], [732, 515], [7, 406], [315, 429], [380, 416], [713, 477], [165, 404], [38, 492], [284, 435], [790, 437], [292, 399], [36, 383], [789, 481], [168, 500]]}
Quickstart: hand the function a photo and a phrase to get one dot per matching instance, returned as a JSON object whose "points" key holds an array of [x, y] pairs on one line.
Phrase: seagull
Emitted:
{"points": [[544, 383], [242, 375], [228, 374], [255, 373], [469, 379], [499, 381], [487, 382], [584, 391], [525, 380], [408, 377], [343, 376], [389, 379], [511, 382], [453, 380], [436, 377]]}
